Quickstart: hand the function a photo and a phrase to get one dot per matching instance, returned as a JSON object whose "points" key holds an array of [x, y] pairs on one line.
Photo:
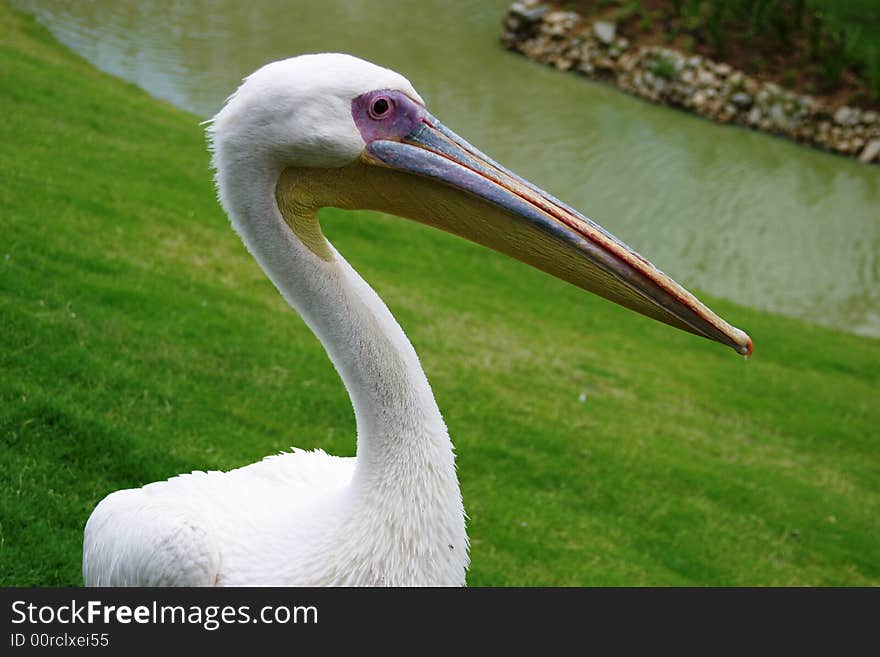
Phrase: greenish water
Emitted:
{"points": [[741, 215]]}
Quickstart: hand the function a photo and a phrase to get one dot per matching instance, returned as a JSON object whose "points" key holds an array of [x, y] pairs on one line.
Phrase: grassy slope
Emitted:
{"points": [[139, 340]]}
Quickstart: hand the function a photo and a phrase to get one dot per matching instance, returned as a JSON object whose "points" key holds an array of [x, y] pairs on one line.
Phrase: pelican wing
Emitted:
{"points": [[166, 533]]}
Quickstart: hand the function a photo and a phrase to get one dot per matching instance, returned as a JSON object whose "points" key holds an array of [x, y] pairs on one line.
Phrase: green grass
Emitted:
{"points": [[139, 340], [860, 21], [853, 15]]}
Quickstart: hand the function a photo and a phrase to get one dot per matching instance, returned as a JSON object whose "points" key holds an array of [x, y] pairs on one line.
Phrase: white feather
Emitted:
{"points": [[391, 516]]}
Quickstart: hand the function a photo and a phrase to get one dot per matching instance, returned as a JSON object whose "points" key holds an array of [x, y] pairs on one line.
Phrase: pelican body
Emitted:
{"points": [[331, 130]]}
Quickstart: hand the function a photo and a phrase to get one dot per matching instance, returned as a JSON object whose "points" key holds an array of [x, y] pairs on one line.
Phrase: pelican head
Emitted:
{"points": [[333, 130]]}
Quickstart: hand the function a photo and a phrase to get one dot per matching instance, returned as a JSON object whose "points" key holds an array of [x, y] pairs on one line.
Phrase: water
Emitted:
{"points": [[740, 215]]}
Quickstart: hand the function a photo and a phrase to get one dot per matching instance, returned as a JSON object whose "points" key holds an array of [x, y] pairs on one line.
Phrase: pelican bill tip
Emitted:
{"points": [[744, 346]]}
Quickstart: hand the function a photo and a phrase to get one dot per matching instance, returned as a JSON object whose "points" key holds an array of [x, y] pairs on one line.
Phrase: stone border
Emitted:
{"points": [[697, 84]]}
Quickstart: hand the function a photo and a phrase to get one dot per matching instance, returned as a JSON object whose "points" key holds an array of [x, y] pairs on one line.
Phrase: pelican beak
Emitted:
{"points": [[482, 201]]}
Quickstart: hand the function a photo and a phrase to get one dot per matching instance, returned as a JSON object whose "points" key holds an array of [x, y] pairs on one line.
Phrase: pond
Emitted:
{"points": [[733, 213]]}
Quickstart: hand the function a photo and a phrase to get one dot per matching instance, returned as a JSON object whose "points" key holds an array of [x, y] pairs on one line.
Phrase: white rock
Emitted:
{"points": [[706, 78], [777, 114], [742, 100], [871, 151], [604, 31], [563, 64], [530, 11], [842, 115]]}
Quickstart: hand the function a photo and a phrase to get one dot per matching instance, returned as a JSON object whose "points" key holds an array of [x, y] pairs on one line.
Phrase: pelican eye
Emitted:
{"points": [[381, 107]]}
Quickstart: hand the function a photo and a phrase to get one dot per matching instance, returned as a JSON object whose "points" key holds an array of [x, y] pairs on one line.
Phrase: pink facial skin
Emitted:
{"points": [[386, 114]]}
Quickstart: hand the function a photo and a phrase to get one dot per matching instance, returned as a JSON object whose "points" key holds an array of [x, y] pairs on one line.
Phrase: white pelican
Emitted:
{"points": [[333, 130]]}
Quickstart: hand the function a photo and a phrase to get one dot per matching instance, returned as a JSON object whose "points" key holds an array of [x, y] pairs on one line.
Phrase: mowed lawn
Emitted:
{"points": [[139, 340]]}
